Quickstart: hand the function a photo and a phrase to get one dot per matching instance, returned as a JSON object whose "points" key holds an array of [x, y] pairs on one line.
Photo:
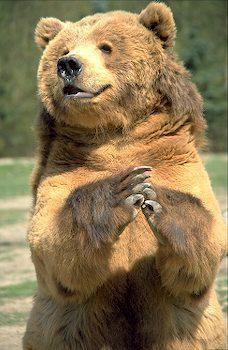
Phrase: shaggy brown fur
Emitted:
{"points": [[126, 235]]}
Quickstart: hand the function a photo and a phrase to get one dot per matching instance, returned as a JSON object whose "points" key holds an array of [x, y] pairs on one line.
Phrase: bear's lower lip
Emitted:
{"points": [[80, 95], [71, 91]]}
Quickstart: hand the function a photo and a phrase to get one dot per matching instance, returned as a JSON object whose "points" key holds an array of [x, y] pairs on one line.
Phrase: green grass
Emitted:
{"points": [[13, 318], [14, 179], [12, 216], [24, 289], [11, 292]]}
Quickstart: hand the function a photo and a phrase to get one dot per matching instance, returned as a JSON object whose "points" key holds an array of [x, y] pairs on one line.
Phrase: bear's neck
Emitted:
{"points": [[159, 139]]}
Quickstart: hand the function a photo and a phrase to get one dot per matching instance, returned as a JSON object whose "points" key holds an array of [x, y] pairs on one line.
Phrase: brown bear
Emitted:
{"points": [[125, 233]]}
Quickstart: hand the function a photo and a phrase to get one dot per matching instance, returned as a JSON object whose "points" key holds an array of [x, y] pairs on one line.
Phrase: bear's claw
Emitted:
{"points": [[140, 169], [132, 178], [149, 193], [151, 207], [135, 200], [129, 188], [140, 188]]}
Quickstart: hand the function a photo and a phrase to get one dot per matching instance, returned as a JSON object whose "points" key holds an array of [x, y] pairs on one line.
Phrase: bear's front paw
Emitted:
{"points": [[166, 212], [129, 190], [152, 210], [154, 213]]}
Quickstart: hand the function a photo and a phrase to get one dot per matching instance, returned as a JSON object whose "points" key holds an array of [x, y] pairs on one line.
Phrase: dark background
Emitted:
{"points": [[201, 44]]}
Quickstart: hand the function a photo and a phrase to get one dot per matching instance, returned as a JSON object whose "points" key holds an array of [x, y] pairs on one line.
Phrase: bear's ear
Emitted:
{"points": [[158, 18], [46, 29]]}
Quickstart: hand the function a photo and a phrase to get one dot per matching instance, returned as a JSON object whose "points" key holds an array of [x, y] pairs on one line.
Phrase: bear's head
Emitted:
{"points": [[114, 69]]}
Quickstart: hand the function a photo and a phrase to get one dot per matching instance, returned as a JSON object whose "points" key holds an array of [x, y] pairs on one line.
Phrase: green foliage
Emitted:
{"points": [[201, 43]]}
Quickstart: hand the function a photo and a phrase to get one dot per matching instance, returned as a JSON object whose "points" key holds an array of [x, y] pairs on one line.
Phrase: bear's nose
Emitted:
{"points": [[69, 68]]}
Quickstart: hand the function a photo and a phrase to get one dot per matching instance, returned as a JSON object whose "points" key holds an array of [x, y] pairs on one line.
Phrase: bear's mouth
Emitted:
{"points": [[72, 91]]}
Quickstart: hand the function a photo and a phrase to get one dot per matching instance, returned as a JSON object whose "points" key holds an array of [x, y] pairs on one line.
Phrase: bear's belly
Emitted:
{"points": [[124, 317], [77, 327], [162, 322]]}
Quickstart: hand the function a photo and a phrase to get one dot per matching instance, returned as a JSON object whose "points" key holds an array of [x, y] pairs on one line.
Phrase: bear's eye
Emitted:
{"points": [[106, 48]]}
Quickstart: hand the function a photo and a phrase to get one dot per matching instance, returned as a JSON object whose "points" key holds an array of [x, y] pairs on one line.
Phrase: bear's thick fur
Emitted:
{"points": [[123, 260]]}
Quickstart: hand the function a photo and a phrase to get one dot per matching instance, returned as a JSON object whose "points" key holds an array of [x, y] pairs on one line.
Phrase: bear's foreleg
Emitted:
{"points": [[102, 209], [188, 255]]}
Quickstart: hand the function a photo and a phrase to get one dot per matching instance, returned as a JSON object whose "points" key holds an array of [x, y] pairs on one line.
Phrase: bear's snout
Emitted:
{"points": [[68, 68]]}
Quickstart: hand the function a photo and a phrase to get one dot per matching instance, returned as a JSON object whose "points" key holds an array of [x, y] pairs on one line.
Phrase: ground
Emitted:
{"points": [[17, 276]]}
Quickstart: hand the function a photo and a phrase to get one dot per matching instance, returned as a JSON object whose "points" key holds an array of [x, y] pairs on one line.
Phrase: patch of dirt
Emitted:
{"points": [[15, 267], [11, 161], [11, 337], [23, 203], [221, 196], [18, 267], [13, 235], [224, 265], [17, 305]]}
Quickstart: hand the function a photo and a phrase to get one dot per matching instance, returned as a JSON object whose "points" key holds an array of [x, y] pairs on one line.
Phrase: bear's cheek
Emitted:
{"points": [[47, 71], [94, 77], [48, 86]]}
